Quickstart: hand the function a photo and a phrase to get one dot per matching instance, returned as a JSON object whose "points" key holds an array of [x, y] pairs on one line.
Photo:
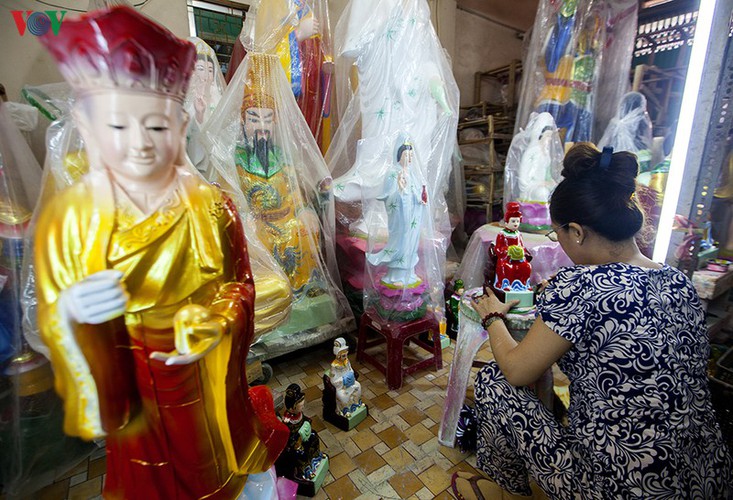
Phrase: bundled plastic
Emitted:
{"points": [[31, 434], [631, 130], [393, 169], [206, 88], [268, 161], [532, 171], [580, 49]]}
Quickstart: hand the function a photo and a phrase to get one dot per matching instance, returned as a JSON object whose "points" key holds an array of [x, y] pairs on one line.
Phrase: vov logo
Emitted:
{"points": [[38, 23]]}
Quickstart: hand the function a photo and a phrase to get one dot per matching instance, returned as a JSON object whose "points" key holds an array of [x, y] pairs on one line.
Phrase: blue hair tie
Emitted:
{"points": [[606, 157]]}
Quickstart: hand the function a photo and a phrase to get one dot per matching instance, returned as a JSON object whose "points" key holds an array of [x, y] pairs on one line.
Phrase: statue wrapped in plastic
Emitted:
{"points": [[631, 130], [267, 160], [532, 171], [580, 50], [145, 296], [206, 88], [392, 222]]}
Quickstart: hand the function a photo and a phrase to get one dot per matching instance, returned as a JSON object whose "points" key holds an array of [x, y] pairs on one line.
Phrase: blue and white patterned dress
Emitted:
{"points": [[641, 424]]}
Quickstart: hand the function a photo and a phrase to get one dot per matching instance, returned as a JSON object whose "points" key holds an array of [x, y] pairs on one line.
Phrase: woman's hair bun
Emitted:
{"points": [[583, 161]]}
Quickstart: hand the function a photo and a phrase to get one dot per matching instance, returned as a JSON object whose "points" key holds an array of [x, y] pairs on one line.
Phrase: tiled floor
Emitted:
{"points": [[393, 454]]}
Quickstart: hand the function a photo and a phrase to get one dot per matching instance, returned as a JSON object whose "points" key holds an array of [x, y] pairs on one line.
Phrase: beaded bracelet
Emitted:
{"points": [[490, 318]]}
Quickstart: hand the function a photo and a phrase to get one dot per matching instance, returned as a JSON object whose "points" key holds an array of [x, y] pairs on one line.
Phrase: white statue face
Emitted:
{"points": [[136, 135], [513, 223], [342, 356], [407, 158], [259, 123], [203, 73]]}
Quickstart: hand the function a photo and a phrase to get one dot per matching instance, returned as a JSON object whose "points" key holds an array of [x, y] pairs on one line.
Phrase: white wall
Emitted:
{"points": [[480, 46]]}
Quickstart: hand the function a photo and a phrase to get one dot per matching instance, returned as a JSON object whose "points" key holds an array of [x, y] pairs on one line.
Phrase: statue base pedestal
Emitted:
{"points": [[310, 488], [401, 304], [525, 298], [329, 408], [444, 341]]}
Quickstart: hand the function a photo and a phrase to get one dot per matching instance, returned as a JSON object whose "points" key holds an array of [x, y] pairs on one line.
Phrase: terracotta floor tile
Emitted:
{"points": [[317, 423], [406, 400], [55, 491], [379, 387], [97, 467], [435, 412], [444, 495], [86, 490], [369, 461], [311, 380], [383, 402], [81, 467], [462, 467], [392, 437], [418, 434], [455, 455], [367, 423], [398, 458], [342, 488], [406, 484], [412, 415], [365, 439], [340, 465], [436, 479], [381, 475], [312, 393]]}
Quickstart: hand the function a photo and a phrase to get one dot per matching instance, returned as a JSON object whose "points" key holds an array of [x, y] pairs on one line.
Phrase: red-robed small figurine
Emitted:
{"points": [[512, 258]]}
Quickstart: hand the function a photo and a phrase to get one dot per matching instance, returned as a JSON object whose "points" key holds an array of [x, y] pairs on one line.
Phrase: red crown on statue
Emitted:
{"points": [[119, 48]]}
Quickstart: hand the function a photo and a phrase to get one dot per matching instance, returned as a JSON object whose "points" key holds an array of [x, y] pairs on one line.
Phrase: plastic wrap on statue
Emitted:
{"points": [[31, 430], [342, 404], [302, 460], [571, 41], [631, 130], [548, 257], [206, 88], [307, 58], [267, 160], [149, 328], [406, 92], [532, 171]]}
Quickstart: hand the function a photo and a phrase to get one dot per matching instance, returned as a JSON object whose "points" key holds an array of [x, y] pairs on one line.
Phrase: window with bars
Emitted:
{"points": [[218, 24]]}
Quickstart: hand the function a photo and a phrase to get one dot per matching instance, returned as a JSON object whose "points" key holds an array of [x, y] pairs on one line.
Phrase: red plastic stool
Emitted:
{"points": [[397, 335]]}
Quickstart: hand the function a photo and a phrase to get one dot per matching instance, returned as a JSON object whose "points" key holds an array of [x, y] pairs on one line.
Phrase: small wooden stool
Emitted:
{"points": [[397, 335]]}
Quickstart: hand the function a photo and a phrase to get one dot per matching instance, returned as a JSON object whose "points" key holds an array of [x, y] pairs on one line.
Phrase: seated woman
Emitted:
{"points": [[630, 335]]}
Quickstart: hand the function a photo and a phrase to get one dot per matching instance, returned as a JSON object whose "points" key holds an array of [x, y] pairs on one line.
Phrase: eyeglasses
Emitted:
{"points": [[552, 235]]}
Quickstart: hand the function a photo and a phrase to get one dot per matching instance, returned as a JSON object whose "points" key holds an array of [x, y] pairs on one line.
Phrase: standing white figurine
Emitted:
{"points": [[405, 198]]}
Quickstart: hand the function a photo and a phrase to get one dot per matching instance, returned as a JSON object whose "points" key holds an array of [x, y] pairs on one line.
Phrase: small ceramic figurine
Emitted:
{"points": [[454, 302], [145, 294], [302, 460], [406, 198], [342, 404], [512, 259]]}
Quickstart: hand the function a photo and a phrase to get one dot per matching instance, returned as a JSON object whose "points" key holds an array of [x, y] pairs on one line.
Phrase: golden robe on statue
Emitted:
{"points": [[179, 431]]}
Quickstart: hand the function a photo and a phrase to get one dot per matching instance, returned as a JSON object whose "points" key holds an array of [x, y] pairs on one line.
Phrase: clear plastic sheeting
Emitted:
{"points": [[31, 435], [206, 88], [547, 256], [631, 130], [406, 96], [580, 50], [306, 54], [267, 160], [532, 171]]}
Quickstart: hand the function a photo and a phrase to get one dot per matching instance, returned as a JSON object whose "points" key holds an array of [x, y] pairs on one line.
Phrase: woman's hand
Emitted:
{"points": [[489, 303]]}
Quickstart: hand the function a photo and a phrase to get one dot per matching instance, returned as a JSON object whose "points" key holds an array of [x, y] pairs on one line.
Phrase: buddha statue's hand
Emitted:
{"points": [[196, 332], [97, 298]]}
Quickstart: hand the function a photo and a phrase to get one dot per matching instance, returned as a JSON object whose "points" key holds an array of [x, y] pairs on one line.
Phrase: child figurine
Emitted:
{"points": [[302, 460], [512, 259], [342, 404]]}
